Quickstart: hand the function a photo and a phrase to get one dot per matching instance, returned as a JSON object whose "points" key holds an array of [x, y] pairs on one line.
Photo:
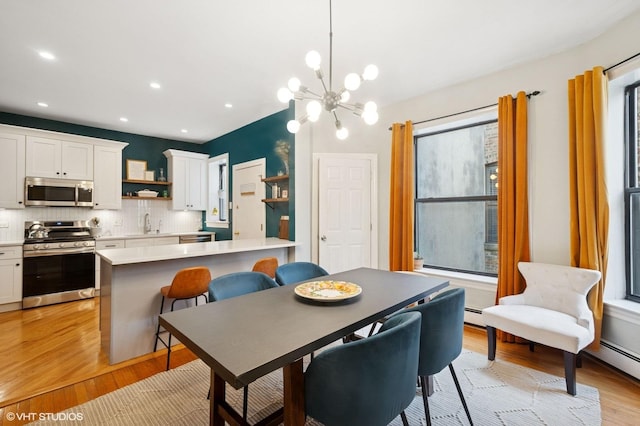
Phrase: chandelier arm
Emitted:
{"points": [[315, 96]]}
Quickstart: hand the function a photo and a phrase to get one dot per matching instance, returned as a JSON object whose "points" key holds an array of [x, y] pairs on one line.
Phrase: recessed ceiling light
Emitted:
{"points": [[154, 85], [47, 55], [228, 105], [124, 119], [43, 104], [184, 130]]}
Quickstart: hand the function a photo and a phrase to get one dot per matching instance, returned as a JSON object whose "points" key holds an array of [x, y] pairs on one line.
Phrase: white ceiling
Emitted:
{"points": [[206, 53]]}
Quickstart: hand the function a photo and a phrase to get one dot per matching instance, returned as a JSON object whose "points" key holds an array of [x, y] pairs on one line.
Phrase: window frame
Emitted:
{"points": [[472, 198], [632, 186]]}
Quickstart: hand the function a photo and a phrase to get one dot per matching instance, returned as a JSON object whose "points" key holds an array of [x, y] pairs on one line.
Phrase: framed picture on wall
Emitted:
{"points": [[136, 169]]}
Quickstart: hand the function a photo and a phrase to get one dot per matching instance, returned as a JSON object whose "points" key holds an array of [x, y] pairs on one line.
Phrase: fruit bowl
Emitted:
{"points": [[147, 193]]}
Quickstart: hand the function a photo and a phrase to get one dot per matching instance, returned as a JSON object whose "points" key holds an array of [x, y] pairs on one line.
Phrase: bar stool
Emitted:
{"points": [[189, 283], [266, 265]]}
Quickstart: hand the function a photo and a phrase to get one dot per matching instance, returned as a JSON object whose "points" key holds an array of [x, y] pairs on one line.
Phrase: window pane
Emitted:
{"points": [[635, 244], [454, 235], [452, 163]]}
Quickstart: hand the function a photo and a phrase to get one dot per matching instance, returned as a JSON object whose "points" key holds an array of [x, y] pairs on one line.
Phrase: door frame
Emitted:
{"points": [[315, 201]]}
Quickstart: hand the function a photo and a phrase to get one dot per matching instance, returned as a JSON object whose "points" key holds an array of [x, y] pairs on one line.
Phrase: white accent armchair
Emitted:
{"points": [[552, 311]]}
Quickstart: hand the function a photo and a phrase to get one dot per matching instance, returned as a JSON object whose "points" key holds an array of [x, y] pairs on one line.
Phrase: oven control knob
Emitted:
{"points": [[46, 246], [86, 243], [77, 244], [61, 245], [36, 246]]}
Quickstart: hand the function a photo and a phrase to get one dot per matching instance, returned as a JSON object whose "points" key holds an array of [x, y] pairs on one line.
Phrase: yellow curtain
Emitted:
{"points": [[513, 208], [589, 210], [401, 198]]}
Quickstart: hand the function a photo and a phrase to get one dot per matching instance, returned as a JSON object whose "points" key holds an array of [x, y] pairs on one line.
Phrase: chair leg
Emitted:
{"points": [[155, 345], [425, 399], [579, 360], [491, 341], [405, 422], [532, 346], [570, 372], [464, 403]]}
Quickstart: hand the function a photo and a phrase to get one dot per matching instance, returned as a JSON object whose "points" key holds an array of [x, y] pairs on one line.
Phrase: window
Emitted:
{"points": [[217, 211], [632, 192], [456, 198]]}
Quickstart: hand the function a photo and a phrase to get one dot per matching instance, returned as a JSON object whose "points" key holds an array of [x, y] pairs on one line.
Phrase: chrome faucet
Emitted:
{"points": [[147, 223]]}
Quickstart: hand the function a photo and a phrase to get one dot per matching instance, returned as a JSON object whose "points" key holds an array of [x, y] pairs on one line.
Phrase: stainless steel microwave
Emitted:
{"points": [[58, 192]]}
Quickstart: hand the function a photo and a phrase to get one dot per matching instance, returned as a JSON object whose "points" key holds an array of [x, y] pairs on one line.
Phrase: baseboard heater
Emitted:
{"points": [[619, 351]]}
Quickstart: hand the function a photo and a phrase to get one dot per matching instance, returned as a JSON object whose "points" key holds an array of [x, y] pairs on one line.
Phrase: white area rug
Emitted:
{"points": [[497, 392]]}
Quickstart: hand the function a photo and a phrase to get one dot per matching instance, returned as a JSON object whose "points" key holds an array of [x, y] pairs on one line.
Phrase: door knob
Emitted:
{"points": [[323, 238], [236, 233]]}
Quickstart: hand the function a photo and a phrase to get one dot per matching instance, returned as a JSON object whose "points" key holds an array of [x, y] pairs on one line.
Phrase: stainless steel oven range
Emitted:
{"points": [[59, 262]]}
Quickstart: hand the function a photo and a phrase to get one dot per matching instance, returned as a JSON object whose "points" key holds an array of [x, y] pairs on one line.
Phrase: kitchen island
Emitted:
{"points": [[131, 279]]}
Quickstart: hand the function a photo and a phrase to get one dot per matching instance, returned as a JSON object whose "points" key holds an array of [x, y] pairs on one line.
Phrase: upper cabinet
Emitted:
{"points": [[188, 174], [107, 177], [59, 159], [12, 166]]}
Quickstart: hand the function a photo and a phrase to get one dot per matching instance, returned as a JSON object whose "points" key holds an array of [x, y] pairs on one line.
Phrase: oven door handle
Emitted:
{"points": [[55, 252]]}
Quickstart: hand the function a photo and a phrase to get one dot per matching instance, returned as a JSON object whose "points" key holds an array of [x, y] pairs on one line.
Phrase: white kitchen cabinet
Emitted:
{"points": [[107, 177], [10, 274], [53, 158], [188, 174], [152, 241], [12, 164]]}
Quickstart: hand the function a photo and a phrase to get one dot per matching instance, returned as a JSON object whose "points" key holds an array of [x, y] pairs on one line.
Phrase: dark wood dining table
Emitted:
{"points": [[246, 337]]}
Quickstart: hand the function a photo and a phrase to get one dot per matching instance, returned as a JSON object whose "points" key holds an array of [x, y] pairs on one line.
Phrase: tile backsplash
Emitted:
{"points": [[129, 220]]}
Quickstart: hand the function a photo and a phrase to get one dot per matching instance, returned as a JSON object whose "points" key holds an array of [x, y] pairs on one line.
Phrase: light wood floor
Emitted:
{"points": [[50, 360]]}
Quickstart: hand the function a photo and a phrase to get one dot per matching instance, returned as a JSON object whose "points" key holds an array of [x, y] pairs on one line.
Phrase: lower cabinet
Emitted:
{"points": [[10, 274]]}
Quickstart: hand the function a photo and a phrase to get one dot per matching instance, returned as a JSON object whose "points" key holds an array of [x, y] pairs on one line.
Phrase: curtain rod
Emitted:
{"points": [[621, 62], [529, 95]]}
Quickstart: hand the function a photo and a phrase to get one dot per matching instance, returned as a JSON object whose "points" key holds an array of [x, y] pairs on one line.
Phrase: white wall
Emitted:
{"points": [[548, 139]]}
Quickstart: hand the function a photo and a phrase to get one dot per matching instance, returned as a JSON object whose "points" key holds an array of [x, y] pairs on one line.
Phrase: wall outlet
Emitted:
{"points": [[4, 224]]}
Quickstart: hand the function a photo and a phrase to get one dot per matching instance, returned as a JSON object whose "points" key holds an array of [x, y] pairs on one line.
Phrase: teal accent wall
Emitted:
{"points": [[254, 141]]}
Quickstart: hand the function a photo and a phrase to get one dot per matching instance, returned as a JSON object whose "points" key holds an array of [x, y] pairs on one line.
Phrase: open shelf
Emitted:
{"points": [[126, 197], [275, 178]]}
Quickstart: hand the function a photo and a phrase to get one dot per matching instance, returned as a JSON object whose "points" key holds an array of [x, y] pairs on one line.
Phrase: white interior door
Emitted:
{"points": [[344, 213], [248, 219]]}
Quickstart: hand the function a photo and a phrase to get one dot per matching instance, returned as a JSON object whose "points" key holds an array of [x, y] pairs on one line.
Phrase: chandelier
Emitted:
{"points": [[330, 100]]}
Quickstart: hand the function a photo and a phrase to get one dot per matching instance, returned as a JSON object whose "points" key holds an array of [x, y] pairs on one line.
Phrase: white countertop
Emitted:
{"points": [[133, 255]]}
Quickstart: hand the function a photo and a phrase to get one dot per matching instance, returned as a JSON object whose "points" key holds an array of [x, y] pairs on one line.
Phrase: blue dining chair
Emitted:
{"points": [[440, 340], [233, 285], [369, 381], [237, 284], [294, 272]]}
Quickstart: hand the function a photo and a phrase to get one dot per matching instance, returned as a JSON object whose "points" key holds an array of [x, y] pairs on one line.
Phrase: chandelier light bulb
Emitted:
{"points": [[345, 96], [314, 108], [342, 133], [352, 81], [293, 126], [313, 60], [370, 72], [294, 84], [284, 95], [370, 117], [370, 106]]}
